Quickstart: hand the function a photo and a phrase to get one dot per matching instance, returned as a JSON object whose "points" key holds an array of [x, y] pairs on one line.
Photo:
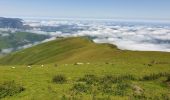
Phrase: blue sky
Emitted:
{"points": [[126, 9]]}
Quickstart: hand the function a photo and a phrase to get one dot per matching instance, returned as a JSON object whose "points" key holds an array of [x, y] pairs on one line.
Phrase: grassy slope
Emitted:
{"points": [[73, 50], [17, 39], [37, 80]]}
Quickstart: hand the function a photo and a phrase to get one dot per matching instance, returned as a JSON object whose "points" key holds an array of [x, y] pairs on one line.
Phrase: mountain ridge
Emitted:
{"points": [[78, 49]]}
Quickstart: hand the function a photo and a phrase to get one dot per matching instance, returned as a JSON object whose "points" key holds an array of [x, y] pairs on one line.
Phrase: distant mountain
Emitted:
{"points": [[13, 41], [11, 23], [13, 35]]}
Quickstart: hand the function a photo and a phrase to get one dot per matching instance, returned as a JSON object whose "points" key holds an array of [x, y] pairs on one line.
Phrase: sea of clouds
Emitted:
{"points": [[136, 36]]}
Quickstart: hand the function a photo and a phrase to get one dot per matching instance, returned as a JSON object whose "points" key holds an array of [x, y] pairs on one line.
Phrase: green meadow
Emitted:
{"points": [[78, 69]]}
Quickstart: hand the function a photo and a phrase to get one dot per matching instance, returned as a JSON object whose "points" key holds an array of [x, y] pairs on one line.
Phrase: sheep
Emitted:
{"points": [[66, 64], [42, 65], [88, 63], [29, 66], [13, 67], [79, 63]]}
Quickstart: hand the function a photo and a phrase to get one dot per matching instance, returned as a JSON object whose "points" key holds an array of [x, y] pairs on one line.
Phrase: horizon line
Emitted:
{"points": [[94, 18]]}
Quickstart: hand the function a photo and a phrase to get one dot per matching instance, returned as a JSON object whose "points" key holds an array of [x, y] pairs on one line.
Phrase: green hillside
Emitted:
{"points": [[72, 50], [18, 39], [78, 69]]}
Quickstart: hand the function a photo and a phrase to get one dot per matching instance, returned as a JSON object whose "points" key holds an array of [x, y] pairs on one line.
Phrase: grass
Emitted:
{"points": [[72, 50], [106, 73], [38, 85], [9, 89]]}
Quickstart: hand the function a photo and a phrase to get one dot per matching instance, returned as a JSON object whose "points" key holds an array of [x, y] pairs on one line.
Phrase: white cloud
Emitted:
{"points": [[6, 51], [141, 37], [50, 39]]}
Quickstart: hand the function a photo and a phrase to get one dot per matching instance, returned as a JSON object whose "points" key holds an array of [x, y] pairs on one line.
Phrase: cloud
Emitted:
{"points": [[126, 36], [36, 43], [140, 38], [47, 40], [27, 46], [6, 51]]}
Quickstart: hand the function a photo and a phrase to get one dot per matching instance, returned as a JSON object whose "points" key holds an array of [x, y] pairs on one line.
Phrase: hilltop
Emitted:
{"points": [[79, 49]]}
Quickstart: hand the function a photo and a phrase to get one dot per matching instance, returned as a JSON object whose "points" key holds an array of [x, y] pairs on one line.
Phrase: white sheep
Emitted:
{"points": [[66, 64], [79, 63], [88, 63], [29, 66], [13, 67]]}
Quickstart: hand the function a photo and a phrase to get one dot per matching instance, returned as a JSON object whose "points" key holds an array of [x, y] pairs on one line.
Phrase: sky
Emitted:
{"points": [[125, 9]]}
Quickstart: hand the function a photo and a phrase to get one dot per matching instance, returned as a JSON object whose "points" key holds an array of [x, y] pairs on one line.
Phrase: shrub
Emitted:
{"points": [[165, 97], [121, 89], [89, 79], [128, 77], [138, 97], [104, 84], [9, 89], [107, 79], [106, 88], [71, 96], [80, 88], [59, 79], [116, 79], [154, 76], [168, 79]]}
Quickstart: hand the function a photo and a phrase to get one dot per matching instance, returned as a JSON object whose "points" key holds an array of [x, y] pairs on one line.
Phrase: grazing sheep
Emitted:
{"points": [[79, 63], [29, 66], [42, 65], [88, 63], [13, 67], [66, 64]]}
